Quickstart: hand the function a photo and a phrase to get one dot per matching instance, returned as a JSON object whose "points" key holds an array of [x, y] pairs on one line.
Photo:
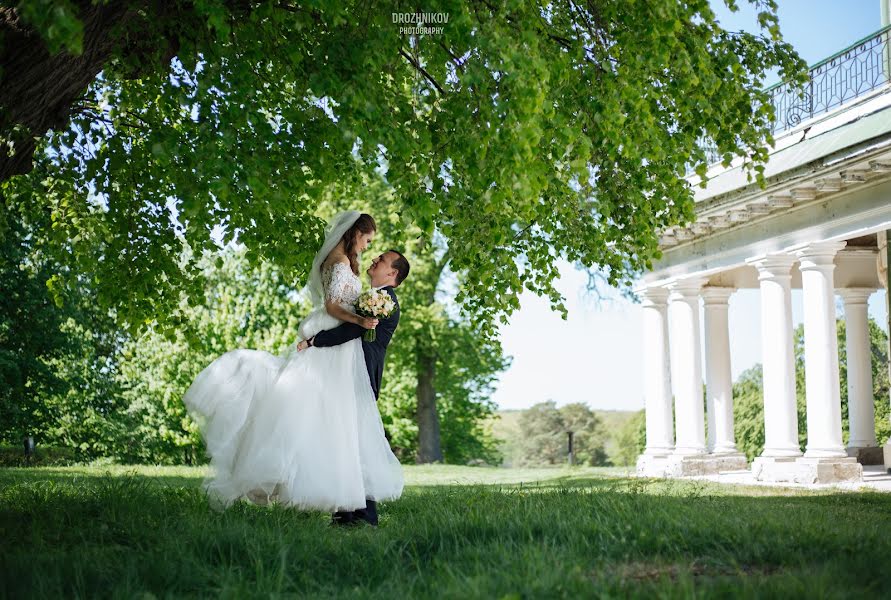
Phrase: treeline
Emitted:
{"points": [[537, 436]]}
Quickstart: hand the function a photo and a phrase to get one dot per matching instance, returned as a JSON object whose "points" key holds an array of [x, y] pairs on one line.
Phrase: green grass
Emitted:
{"points": [[457, 532]]}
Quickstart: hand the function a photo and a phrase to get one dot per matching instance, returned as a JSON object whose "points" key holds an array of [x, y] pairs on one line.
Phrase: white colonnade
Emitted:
{"points": [[673, 366]]}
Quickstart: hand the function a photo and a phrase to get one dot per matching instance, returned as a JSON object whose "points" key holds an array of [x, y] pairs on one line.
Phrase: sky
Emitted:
{"points": [[594, 356]]}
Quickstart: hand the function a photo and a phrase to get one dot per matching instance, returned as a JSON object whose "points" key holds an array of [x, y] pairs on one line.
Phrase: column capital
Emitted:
{"points": [[714, 295], [686, 288], [772, 265], [652, 295], [855, 295], [816, 255]]}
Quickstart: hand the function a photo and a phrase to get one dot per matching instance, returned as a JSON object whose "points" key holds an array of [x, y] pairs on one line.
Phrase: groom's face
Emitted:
{"points": [[381, 270]]}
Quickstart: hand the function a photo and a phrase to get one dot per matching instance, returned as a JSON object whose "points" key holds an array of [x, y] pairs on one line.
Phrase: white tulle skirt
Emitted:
{"points": [[302, 429]]}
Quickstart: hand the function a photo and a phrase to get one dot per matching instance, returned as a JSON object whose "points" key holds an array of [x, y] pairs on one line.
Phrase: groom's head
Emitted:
{"points": [[390, 268]]}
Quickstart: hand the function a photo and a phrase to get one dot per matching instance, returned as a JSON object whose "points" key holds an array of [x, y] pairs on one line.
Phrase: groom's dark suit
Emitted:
{"points": [[375, 354]]}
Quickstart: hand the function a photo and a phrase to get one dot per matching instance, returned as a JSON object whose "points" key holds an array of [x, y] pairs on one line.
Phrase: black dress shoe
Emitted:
{"points": [[367, 514], [344, 518]]}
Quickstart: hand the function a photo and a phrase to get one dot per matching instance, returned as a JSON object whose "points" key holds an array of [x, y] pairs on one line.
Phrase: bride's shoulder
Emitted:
{"points": [[335, 261]]}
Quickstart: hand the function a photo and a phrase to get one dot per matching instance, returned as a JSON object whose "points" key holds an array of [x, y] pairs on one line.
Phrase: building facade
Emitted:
{"points": [[820, 225]]}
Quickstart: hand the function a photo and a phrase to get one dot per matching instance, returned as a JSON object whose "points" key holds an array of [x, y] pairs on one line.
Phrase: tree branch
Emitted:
{"points": [[421, 70], [458, 64]]}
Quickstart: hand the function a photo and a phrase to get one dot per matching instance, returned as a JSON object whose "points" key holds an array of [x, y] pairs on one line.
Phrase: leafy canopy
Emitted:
{"points": [[523, 133]]}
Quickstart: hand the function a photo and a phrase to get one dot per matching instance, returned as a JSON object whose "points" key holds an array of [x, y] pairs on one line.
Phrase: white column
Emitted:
{"points": [[824, 431], [777, 355], [686, 369], [718, 381], [656, 372], [861, 412]]}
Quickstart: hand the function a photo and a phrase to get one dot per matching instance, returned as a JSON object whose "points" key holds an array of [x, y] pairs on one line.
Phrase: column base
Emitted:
{"points": [[807, 470], [704, 464], [886, 450], [867, 455], [651, 465]]}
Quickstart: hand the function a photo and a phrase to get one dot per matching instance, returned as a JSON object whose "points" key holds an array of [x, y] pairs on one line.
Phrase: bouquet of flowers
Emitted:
{"points": [[376, 304]]}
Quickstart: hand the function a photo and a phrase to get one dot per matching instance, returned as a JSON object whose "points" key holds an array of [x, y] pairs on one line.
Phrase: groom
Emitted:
{"points": [[387, 271]]}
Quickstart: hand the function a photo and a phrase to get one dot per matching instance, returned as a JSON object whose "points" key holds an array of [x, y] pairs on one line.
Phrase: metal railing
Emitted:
{"points": [[844, 76]]}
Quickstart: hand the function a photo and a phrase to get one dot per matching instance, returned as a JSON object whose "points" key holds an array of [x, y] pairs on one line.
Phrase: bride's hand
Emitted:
{"points": [[368, 322]]}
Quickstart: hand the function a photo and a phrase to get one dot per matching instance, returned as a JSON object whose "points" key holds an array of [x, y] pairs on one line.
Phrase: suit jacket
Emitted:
{"points": [[376, 351]]}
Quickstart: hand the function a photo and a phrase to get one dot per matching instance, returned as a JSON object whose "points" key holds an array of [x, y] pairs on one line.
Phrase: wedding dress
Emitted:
{"points": [[303, 428]]}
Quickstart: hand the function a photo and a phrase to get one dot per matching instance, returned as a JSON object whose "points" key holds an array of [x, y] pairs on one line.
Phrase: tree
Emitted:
{"points": [[31, 334], [525, 133], [56, 359], [543, 437], [631, 439]]}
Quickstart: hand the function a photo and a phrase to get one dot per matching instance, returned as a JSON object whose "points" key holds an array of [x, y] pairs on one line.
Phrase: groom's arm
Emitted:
{"points": [[386, 328], [350, 331], [339, 335]]}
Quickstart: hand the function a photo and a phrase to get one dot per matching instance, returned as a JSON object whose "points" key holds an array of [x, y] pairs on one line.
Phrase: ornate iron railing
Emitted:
{"points": [[844, 76], [855, 71]]}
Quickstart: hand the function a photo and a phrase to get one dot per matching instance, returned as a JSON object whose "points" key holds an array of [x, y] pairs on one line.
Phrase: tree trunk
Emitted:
{"points": [[429, 448], [37, 89]]}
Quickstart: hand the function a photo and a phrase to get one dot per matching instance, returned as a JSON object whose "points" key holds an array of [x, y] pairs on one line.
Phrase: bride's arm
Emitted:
{"points": [[339, 312]]}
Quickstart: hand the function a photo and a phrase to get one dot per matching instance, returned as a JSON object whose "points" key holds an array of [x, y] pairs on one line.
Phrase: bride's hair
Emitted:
{"points": [[364, 224]]}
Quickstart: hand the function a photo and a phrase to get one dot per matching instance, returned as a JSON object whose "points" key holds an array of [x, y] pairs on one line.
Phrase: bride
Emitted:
{"points": [[303, 428]]}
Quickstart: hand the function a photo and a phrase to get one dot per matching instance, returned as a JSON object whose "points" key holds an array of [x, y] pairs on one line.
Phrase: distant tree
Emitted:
{"points": [[57, 371], [878, 346], [748, 412], [31, 334], [543, 437]]}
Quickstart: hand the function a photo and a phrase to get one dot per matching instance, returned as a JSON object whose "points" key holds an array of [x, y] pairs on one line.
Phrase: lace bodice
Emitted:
{"points": [[341, 284]]}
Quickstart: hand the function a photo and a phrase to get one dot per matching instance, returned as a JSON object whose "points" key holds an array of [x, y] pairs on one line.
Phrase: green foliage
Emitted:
{"points": [[119, 395], [631, 440], [543, 435], [244, 307], [525, 133], [748, 398], [31, 333], [878, 351], [748, 412], [56, 21]]}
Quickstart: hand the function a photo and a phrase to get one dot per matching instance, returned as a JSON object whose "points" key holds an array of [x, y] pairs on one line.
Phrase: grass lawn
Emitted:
{"points": [[457, 532]]}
